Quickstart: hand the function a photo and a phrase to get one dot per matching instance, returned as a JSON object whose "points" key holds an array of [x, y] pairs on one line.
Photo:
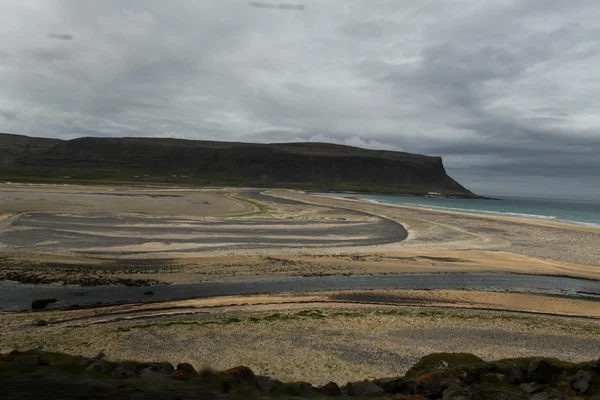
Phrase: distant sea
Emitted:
{"points": [[573, 211]]}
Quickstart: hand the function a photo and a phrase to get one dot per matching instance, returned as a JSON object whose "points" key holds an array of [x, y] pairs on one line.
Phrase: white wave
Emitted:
{"points": [[469, 210], [488, 212]]}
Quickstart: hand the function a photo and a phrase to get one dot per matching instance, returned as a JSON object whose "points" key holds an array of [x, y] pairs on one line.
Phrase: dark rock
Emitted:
{"points": [[516, 375], [457, 392], [497, 395], [492, 377], [122, 373], [330, 389], [188, 369], [237, 376], [26, 362], [305, 387], [430, 362], [101, 367], [541, 371], [140, 367], [40, 304], [152, 376], [442, 365], [364, 389], [530, 388], [266, 383], [551, 395], [395, 385], [581, 381], [540, 396], [41, 322], [433, 384], [162, 367]]}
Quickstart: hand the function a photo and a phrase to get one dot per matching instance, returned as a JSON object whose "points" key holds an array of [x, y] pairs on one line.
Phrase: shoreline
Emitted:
{"points": [[532, 221]]}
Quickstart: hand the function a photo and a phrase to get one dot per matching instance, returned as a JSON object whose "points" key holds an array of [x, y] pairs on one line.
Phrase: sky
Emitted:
{"points": [[506, 91]]}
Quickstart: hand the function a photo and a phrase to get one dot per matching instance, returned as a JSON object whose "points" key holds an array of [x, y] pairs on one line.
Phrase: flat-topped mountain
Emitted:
{"points": [[319, 166]]}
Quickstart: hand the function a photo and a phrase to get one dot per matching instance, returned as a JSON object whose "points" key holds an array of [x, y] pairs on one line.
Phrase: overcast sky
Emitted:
{"points": [[506, 91]]}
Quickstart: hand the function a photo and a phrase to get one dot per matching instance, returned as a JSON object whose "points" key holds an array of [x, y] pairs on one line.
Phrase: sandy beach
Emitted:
{"points": [[183, 236], [142, 237]]}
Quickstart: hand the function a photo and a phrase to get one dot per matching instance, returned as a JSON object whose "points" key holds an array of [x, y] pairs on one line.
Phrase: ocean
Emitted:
{"points": [[574, 211]]}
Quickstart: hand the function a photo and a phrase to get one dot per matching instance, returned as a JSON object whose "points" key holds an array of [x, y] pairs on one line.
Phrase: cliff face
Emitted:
{"points": [[309, 165], [13, 147]]}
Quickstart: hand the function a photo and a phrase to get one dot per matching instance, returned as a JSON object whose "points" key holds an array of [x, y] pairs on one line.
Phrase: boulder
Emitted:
{"points": [[162, 367], [492, 377], [150, 376], [140, 367], [551, 395], [330, 389], [430, 362], [433, 384], [238, 376], [364, 389], [122, 373], [26, 361], [541, 371], [498, 395], [305, 387], [516, 375], [457, 392], [581, 381], [531, 388], [179, 374], [395, 385], [188, 369], [101, 367], [442, 365], [184, 372], [266, 384], [40, 304]]}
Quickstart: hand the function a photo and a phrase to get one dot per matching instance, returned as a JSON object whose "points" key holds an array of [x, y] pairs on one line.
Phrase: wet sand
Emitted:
{"points": [[287, 235], [434, 230]]}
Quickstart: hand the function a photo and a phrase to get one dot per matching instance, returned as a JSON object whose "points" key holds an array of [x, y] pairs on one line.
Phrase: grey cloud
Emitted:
{"points": [[280, 6], [504, 91], [60, 36]]}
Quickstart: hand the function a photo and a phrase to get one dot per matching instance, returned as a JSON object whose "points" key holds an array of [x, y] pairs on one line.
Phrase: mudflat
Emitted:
{"points": [[173, 236]]}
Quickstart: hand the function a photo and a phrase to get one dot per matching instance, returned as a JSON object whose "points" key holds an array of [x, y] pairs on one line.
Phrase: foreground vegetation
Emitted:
{"points": [[39, 374]]}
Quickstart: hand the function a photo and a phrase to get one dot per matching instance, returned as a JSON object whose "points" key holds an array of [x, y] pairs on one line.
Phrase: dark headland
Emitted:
{"points": [[309, 166]]}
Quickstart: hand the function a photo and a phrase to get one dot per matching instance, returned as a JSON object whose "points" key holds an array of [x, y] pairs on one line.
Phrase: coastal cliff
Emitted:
{"points": [[312, 166]]}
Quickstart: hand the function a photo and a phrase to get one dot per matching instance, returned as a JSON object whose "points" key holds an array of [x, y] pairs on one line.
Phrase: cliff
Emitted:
{"points": [[319, 166]]}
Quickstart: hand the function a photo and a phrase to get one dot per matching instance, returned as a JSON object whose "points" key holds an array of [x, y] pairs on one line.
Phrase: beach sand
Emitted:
{"points": [[113, 235], [188, 239], [319, 337]]}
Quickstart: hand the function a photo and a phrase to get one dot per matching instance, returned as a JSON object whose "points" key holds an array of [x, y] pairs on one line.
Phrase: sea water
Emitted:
{"points": [[574, 211]]}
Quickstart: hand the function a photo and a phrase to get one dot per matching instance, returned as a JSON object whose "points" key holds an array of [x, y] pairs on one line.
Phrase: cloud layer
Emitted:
{"points": [[506, 91]]}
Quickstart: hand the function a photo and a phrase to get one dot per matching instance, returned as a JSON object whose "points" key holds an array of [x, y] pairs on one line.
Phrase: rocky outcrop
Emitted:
{"points": [[464, 377], [320, 166]]}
